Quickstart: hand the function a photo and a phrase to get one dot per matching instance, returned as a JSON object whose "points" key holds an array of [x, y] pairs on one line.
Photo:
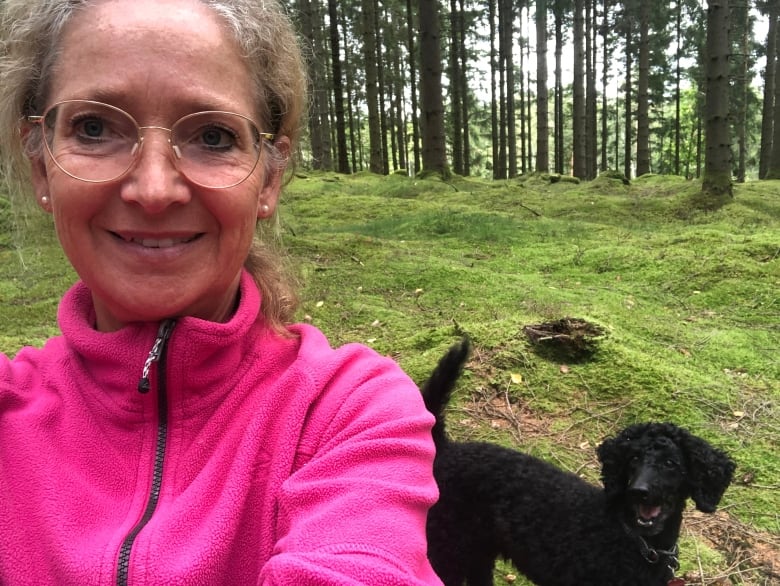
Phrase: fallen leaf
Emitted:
{"points": [[516, 378], [564, 369], [320, 303]]}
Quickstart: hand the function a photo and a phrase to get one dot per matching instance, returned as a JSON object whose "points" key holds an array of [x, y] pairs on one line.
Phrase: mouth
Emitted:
{"points": [[147, 242], [647, 515]]}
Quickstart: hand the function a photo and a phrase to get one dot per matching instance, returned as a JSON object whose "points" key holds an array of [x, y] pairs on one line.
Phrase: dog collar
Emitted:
{"points": [[653, 556]]}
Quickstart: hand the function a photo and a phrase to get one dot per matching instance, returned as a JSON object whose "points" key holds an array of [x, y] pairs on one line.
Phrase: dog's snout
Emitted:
{"points": [[639, 487], [639, 493]]}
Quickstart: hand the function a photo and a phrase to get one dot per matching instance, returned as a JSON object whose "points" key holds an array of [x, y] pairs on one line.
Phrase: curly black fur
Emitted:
{"points": [[554, 527]]}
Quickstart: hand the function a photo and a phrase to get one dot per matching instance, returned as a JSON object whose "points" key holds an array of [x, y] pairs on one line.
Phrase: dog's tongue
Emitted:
{"points": [[648, 512]]}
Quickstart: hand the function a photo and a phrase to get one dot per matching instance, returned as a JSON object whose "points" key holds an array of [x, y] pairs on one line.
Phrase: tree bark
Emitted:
{"points": [[338, 89], [542, 96], [456, 107], [376, 164], [413, 85], [643, 98], [767, 119], [434, 157], [580, 126], [717, 158]]}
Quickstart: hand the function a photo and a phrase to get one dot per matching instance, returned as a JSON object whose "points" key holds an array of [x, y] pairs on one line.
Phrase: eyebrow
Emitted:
{"points": [[186, 106]]}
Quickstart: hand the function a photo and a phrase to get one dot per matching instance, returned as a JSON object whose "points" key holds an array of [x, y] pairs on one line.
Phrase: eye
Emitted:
{"points": [[216, 137], [670, 464], [92, 127]]}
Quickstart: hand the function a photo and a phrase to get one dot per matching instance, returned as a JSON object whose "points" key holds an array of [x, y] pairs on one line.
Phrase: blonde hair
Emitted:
{"points": [[30, 33]]}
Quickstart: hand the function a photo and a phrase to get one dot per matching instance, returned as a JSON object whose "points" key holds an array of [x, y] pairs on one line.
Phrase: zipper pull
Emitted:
{"points": [[163, 333]]}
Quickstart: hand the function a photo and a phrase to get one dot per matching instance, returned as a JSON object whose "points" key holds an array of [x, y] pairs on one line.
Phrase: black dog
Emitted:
{"points": [[554, 527]]}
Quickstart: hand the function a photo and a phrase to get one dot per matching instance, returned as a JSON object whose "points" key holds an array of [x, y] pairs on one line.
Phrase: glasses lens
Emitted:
{"points": [[216, 149], [89, 140]]}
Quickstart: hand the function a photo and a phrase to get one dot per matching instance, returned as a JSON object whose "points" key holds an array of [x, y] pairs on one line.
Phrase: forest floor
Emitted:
{"points": [[684, 307]]}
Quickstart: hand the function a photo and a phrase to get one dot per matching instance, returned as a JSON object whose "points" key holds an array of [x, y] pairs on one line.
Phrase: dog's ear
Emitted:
{"points": [[710, 471], [614, 454]]}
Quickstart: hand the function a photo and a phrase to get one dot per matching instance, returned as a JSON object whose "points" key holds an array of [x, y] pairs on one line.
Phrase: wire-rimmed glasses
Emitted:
{"points": [[96, 142]]}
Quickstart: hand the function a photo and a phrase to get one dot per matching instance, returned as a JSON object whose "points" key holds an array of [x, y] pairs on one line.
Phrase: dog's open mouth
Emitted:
{"points": [[647, 515]]}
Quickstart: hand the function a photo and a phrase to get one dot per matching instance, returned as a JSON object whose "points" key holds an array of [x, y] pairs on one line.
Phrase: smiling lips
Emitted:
{"points": [[158, 242]]}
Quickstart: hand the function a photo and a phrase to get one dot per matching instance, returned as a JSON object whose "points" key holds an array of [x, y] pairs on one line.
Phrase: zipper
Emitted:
{"points": [[156, 354]]}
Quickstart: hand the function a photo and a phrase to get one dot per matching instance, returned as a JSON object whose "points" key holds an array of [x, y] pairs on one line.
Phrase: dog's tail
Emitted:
{"points": [[438, 388]]}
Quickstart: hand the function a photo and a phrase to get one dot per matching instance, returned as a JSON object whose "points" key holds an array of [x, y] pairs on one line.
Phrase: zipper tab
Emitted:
{"points": [[163, 333]]}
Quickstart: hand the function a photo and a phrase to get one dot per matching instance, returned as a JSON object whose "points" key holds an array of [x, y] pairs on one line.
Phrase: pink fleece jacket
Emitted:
{"points": [[252, 459]]}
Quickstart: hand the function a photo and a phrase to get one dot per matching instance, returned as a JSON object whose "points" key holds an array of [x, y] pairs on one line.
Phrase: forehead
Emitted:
{"points": [[658, 445], [151, 50]]}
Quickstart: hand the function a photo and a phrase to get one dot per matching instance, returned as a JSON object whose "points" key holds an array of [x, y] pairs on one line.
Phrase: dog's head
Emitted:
{"points": [[650, 469]]}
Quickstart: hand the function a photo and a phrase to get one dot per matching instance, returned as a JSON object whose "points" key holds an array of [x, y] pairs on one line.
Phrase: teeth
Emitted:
{"points": [[161, 242]]}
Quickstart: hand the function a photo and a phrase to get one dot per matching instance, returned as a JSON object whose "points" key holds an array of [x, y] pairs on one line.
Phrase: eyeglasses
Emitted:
{"points": [[96, 143]]}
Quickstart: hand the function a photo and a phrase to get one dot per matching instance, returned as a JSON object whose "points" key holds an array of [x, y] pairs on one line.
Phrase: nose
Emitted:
{"points": [[639, 487], [154, 182]]}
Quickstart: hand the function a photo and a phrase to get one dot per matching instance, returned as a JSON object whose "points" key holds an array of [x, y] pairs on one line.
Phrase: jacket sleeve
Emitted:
{"points": [[354, 509]]}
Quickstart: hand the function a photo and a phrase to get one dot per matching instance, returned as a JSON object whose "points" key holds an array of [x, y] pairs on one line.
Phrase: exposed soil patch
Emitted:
{"points": [[568, 338]]}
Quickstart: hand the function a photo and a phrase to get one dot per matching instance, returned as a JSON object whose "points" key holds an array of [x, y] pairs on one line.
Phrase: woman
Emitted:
{"points": [[181, 430]]}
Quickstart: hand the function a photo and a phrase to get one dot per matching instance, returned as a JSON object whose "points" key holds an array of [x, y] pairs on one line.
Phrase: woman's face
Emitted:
{"points": [[151, 244]]}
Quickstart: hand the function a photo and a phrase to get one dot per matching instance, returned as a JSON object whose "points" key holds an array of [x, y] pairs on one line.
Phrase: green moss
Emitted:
{"points": [[688, 298]]}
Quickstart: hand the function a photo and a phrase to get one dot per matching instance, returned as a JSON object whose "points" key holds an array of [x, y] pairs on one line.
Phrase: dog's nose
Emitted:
{"points": [[639, 487], [638, 493]]}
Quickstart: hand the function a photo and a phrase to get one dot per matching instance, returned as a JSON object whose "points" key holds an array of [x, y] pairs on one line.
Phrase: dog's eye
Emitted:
{"points": [[670, 464]]}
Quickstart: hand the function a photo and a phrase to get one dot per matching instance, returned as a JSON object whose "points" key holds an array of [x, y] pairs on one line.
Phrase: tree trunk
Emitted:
{"points": [[642, 98], [604, 83], [434, 157], [542, 124], [773, 170], [375, 165], [628, 126], [590, 90], [338, 90], [559, 130], [456, 108], [767, 119], [717, 158], [319, 118], [677, 82], [741, 86], [579, 133], [464, 92], [493, 90], [413, 85], [382, 91]]}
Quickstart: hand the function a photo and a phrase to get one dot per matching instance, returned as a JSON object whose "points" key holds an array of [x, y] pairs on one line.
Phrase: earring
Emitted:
{"points": [[44, 200], [265, 210]]}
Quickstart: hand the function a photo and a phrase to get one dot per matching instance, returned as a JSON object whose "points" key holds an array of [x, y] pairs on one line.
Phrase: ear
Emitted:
{"points": [[39, 175], [612, 454], [710, 471], [272, 187]]}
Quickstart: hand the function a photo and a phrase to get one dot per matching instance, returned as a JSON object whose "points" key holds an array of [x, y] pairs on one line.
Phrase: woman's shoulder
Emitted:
{"points": [[316, 349], [354, 373]]}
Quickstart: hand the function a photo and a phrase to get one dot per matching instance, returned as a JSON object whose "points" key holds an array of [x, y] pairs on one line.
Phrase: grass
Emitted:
{"points": [[688, 301]]}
